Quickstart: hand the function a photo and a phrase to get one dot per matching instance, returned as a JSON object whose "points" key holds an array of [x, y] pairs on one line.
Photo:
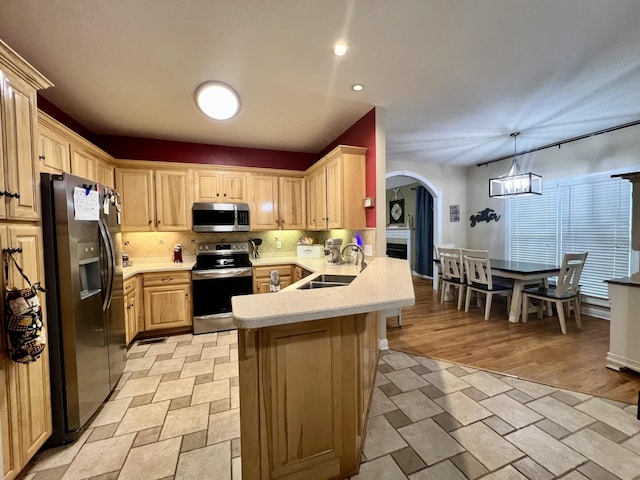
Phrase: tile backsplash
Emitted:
{"points": [[160, 244]]}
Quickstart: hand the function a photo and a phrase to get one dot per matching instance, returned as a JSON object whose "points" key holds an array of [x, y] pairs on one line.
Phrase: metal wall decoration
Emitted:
{"points": [[396, 207], [485, 215]]}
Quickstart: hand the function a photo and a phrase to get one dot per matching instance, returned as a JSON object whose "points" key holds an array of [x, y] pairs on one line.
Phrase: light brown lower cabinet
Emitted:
{"points": [[262, 277], [167, 300], [25, 398], [305, 392], [132, 307]]}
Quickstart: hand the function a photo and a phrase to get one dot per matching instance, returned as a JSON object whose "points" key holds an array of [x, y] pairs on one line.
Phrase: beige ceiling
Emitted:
{"points": [[455, 76]]}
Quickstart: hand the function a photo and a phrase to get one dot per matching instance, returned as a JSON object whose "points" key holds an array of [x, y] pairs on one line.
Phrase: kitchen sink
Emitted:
{"points": [[326, 280]]}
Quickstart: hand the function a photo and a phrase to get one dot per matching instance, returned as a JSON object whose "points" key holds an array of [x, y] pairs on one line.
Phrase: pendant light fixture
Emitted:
{"points": [[515, 181]]}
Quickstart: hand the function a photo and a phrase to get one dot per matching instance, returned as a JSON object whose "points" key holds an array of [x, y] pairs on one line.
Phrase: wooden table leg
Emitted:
{"points": [[516, 300]]}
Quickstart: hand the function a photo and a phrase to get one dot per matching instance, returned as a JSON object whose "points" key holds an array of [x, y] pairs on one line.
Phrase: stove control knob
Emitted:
{"points": [[206, 247]]}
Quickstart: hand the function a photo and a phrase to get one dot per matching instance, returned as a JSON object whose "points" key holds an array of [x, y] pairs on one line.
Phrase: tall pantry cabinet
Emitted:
{"points": [[25, 411]]}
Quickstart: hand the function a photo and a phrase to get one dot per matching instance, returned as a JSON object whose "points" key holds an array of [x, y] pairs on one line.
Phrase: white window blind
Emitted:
{"points": [[584, 215], [532, 227], [596, 218]]}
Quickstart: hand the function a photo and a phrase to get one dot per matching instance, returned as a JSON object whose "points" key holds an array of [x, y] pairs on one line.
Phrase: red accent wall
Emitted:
{"points": [[362, 134], [133, 148], [49, 108]]}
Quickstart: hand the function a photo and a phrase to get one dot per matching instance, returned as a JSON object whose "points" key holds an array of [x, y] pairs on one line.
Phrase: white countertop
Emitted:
{"points": [[144, 265], [385, 284]]}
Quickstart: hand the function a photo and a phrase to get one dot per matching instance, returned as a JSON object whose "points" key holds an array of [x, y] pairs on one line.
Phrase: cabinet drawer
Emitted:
{"points": [[166, 278], [129, 284], [262, 272]]}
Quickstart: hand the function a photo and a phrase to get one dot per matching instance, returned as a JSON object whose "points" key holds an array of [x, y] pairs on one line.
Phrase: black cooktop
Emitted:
{"points": [[212, 256]]}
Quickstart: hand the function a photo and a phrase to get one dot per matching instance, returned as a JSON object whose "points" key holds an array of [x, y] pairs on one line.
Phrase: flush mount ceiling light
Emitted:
{"points": [[339, 49], [358, 87], [217, 100], [515, 181]]}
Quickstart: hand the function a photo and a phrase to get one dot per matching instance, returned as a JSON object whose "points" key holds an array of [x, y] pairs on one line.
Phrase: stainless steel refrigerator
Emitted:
{"points": [[85, 311]]}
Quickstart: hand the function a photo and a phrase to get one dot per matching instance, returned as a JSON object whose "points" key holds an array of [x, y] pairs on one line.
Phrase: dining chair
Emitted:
{"points": [[436, 262], [477, 267], [567, 291], [452, 272]]}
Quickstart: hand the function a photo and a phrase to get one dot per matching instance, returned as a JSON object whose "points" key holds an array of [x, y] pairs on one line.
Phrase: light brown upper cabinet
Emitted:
{"points": [[54, 152], [62, 150], [173, 200], [316, 185], [105, 174], [18, 119], [263, 206], [337, 186], [220, 186], [83, 163], [291, 203], [155, 201], [276, 202], [136, 190]]}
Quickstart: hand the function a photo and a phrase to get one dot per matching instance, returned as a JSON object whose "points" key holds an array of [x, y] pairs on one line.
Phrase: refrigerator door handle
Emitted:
{"points": [[106, 240]]}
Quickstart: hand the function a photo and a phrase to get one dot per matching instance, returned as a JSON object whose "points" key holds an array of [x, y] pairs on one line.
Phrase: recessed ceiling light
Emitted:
{"points": [[357, 87], [217, 100], [340, 49]]}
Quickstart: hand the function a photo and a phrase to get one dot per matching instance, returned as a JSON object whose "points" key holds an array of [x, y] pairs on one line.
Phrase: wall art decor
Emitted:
{"points": [[485, 215], [454, 213]]}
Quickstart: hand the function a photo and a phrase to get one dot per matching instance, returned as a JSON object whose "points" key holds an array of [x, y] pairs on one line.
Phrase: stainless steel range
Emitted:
{"points": [[222, 271]]}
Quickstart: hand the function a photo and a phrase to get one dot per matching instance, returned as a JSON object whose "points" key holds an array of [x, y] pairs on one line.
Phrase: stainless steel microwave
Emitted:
{"points": [[220, 217]]}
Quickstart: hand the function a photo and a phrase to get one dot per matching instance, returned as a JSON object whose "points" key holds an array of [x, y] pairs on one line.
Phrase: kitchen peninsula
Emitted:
{"points": [[307, 361]]}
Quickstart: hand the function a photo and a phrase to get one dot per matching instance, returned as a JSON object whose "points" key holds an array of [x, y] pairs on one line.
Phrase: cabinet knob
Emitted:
{"points": [[225, 194], [217, 194], [150, 222], [158, 222], [42, 157]]}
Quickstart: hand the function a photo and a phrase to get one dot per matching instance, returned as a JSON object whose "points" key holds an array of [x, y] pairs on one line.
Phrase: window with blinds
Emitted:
{"points": [[590, 215]]}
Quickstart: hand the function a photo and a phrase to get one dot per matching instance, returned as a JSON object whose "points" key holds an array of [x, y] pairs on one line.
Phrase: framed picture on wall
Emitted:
{"points": [[396, 211], [454, 213]]}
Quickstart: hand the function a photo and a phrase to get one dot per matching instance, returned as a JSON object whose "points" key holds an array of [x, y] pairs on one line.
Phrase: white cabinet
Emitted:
{"points": [[624, 337]]}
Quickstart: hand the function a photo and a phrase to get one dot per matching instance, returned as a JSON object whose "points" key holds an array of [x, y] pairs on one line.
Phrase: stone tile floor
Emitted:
{"points": [[174, 415]]}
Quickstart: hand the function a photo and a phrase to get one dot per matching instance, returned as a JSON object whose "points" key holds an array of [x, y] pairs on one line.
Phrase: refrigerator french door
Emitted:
{"points": [[85, 311]]}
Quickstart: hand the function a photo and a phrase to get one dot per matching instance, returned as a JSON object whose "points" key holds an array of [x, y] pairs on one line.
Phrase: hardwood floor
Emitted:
{"points": [[535, 350]]}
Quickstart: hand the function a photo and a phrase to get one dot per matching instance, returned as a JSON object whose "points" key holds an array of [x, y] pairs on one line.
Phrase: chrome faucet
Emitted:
{"points": [[363, 265]]}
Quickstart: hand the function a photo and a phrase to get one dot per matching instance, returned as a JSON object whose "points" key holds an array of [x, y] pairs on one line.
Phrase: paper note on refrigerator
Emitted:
{"points": [[86, 204]]}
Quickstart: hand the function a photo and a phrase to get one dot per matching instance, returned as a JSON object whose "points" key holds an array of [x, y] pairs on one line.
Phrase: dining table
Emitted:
{"points": [[522, 273]]}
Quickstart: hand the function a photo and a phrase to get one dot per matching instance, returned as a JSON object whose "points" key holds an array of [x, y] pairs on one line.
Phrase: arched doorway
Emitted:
{"points": [[407, 177]]}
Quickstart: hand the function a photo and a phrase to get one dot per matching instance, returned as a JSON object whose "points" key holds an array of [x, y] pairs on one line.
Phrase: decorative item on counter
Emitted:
{"points": [[125, 260], [274, 281], [306, 241], [255, 243], [177, 253]]}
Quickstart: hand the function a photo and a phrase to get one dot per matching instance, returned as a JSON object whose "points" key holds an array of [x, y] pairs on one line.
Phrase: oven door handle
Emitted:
{"points": [[223, 273]]}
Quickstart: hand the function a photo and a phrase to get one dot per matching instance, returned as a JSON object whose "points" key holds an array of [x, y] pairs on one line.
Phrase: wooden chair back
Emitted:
{"points": [[437, 248], [477, 267], [570, 271], [451, 265]]}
